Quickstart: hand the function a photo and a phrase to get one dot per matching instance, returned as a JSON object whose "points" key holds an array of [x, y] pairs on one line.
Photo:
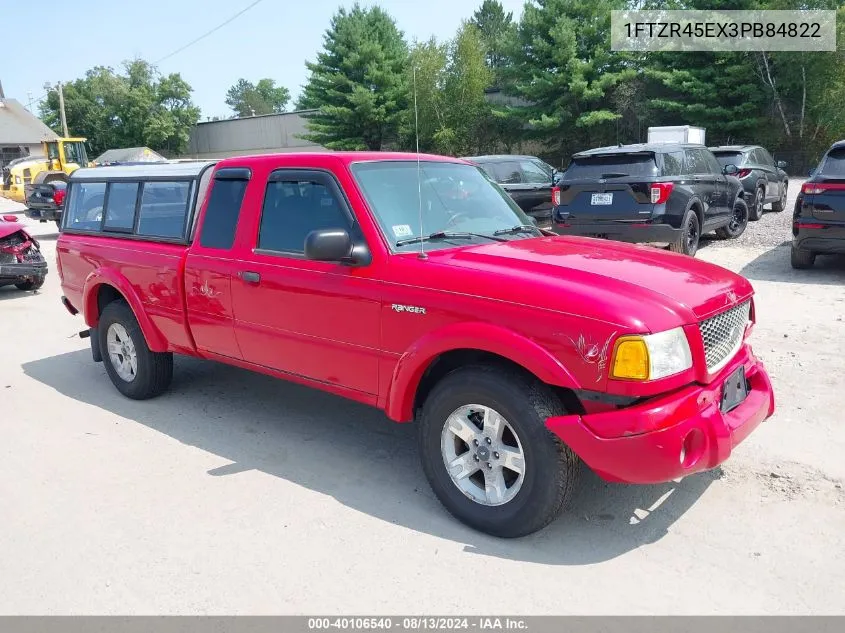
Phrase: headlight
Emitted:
{"points": [[651, 356], [17, 180]]}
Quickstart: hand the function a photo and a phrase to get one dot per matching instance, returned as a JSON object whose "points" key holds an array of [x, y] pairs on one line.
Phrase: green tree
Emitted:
{"points": [[137, 108], [497, 31], [265, 97], [358, 82], [564, 69], [451, 80]]}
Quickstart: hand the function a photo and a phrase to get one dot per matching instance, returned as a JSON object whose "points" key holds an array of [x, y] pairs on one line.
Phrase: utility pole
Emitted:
{"points": [[62, 110], [29, 103]]}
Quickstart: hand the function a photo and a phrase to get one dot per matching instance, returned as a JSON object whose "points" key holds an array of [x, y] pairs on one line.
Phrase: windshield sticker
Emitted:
{"points": [[402, 230]]}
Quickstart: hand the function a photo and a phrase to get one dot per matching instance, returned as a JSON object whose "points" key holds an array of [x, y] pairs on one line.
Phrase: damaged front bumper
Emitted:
{"points": [[21, 259]]}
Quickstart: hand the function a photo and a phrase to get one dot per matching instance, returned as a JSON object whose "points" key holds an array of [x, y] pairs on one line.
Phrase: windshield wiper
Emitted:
{"points": [[447, 235], [519, 228], [614, 174]]}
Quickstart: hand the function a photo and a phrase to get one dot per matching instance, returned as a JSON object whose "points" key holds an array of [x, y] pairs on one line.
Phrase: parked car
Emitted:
{"points": [[661, 193], [518, 354], [818, 221], [45, 200], [762, 179], [527, 179], [21, 262]]}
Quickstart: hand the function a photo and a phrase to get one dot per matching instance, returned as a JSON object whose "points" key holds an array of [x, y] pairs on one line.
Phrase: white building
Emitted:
{"points": [[21, 132]]}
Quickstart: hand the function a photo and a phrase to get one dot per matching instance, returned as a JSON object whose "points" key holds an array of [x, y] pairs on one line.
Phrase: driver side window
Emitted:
{"points": [[293, 207]]}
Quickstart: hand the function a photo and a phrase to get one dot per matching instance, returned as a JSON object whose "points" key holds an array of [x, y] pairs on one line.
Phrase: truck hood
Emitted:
{"points": [[614, 277], [18, 168]]}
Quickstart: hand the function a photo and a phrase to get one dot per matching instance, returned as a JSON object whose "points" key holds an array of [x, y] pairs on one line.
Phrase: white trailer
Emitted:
{"points": [[676, 134]]}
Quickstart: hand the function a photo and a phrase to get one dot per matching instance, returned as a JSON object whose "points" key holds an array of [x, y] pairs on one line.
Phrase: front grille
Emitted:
{"points": [[722, 334]]}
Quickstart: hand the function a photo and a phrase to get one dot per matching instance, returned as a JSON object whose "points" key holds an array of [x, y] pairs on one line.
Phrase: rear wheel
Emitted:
{"points": [[738, 223], [780, 205], [687, 241], [801, 259], [756, 210], [135, 370], [32, 284], [488, 455]]}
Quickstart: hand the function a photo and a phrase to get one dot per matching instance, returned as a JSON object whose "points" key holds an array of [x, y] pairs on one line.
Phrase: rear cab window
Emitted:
{"points": [[135, 202]]}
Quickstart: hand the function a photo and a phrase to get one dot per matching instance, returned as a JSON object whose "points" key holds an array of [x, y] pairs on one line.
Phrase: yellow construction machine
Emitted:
{"points": [[61, 158]]}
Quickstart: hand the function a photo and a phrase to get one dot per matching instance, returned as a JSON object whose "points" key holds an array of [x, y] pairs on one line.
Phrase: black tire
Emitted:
{"points": [[551, 468], [738, 222], [34, 284], [154, 369], [687, 242], [801, 259], [780, 204], [755, 211]]}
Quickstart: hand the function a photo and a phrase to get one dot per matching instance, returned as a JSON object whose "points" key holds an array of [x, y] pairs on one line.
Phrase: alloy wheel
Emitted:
{"points": [[483, 455], [122, 353]]}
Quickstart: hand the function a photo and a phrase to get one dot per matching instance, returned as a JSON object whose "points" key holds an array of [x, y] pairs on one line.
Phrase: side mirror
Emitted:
{"points": [[533, 220], [811, 172], [730, 169], [557, 177], [328, 245], [782, 164]]}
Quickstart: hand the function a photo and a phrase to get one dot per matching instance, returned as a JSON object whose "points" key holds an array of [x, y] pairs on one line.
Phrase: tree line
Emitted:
{"points": [[547, 83]]}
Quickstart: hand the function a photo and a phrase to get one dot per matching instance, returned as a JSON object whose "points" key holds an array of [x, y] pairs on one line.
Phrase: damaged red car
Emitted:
{"points": [[21, 261]]}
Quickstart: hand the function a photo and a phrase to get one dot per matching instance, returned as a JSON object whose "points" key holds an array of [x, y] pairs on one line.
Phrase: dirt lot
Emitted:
{"points": [[236, 493]]}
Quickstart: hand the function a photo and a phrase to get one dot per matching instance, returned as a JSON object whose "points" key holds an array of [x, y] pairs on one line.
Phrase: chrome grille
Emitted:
{"points": [[722, 334]]}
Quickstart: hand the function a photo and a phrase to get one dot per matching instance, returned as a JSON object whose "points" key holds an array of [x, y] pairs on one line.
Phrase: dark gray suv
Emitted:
{"points": [[662, 193], [763, 180]]}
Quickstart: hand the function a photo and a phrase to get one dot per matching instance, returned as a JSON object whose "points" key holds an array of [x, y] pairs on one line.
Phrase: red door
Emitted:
{"points": [[319, 320], [209, 266]]}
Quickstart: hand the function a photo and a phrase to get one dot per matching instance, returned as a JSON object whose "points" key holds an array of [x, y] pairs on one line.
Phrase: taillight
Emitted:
{"points": [[555, 196], [58, 197], [660, 192], [742, 173], [821, 187]]}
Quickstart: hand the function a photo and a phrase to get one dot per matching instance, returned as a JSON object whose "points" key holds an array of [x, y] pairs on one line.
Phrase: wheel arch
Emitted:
{"points": [[438, 353], [104, 286]]}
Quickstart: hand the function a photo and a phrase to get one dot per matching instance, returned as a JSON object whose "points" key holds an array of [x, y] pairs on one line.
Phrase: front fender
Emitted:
{"points": [[106, 276], [468, 336]]}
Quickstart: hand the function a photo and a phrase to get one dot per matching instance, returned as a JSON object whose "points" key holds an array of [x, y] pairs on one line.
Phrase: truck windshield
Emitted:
{"points": [[454, 198]]}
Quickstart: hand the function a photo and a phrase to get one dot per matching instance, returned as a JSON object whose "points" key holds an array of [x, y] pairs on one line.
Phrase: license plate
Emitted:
{"points": [[735, 390], [602, 198]]}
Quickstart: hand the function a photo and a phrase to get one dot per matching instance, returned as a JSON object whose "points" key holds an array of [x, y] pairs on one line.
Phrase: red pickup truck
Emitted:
{"points": [[414, 284]]}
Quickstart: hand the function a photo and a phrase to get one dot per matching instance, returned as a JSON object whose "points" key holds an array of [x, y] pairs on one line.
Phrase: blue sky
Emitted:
{"points": [[273, 39]]}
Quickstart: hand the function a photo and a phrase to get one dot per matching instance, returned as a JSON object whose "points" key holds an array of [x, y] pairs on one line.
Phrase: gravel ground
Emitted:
{"points": [[236, 493], [773, 229]]}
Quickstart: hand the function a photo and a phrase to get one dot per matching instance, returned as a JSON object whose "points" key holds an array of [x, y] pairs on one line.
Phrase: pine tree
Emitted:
{"points": [[358, 82]]}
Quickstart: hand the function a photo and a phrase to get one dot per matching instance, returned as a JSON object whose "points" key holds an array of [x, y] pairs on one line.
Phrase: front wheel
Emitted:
{"points": [[687, 241], [738, 223], [135, 370], [488, 455]]}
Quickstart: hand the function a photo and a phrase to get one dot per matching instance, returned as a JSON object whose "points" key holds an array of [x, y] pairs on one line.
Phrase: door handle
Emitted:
{"points": [[250, 277]]}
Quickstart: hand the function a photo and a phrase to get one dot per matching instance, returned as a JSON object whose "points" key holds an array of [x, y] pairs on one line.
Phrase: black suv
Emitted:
{"points": [[661, 193], [527, 179], [818, 221], [762, 179]]}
